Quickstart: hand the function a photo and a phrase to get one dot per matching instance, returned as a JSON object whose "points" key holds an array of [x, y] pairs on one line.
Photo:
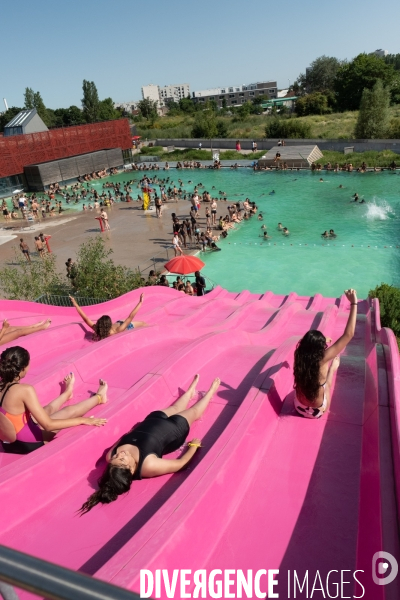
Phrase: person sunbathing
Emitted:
{"points": [[25, 425], [10, 333], [138, 454], [104, 327], [313, 375]]}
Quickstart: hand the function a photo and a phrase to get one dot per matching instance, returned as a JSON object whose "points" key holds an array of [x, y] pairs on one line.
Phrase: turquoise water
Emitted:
{"points": [[365, 252]]}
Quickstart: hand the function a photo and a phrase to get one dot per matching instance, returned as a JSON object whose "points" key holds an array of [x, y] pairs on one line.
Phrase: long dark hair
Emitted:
{"points": [[114, 482], [103, 327], [309, 352], [12, 362]]}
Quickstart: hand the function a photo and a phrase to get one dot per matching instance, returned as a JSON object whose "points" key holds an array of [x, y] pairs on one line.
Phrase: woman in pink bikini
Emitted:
{"points": [[24, 424], [312, 373]]}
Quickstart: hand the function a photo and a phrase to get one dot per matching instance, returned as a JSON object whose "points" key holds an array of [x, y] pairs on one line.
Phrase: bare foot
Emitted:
{"points": [[102, 391], [43, 324], [215, 385], [69, 384], [192, 387]]}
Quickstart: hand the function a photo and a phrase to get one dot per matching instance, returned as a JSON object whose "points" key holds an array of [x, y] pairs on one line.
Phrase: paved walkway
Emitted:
{"points": [[135, 237]]}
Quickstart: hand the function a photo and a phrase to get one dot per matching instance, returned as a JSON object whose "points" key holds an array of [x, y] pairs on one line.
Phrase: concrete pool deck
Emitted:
{"points": [[136, 237]]}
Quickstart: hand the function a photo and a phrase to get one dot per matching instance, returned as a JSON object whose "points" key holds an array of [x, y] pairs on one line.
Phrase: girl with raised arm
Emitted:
{"points": [[313, 374], [104, 327], [138, 454], [25, 425]]}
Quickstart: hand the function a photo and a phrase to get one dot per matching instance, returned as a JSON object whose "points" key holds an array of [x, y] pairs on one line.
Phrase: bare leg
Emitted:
{"points": [[55, 405], [181, 404], [195, 412], [81, 408], [329, 378], [13, 333], [139, 324]]}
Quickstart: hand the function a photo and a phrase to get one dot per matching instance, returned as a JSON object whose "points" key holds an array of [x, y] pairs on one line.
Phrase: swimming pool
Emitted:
{"points": [[364, 253]]}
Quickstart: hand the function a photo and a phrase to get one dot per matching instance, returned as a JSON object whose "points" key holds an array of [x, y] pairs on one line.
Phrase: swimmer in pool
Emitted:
{"points": [[285, 231], [313, 375], [280, 226], [266, 236], [104, 327], [139, 453], [273, 192], [325, 234], [10, 333], [355, 198], [25, 425]]}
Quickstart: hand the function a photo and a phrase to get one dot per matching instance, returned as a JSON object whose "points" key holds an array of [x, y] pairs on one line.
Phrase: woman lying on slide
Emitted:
{"points": [[312, 373], [138, 453], [104, 327], [19, 432], [9, 333]]}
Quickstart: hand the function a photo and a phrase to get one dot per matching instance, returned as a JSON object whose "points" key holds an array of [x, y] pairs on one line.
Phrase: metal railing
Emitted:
{"points": [[54, 582], [55, 300]]}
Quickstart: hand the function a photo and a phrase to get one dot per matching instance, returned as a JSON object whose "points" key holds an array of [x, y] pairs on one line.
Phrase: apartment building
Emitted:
{"points": [[237, 94], [165, 94], [174, 92]]}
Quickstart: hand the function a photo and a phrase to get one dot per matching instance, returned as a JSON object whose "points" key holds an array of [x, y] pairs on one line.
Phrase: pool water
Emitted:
{"points": [[365, 252]]}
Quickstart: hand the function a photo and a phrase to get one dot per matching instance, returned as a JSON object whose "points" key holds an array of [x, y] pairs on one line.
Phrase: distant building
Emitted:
{"points": [[152, 92], [127, 107], [26, 121], [237, 94], [174, 92], [380, 53], [165, 94]]}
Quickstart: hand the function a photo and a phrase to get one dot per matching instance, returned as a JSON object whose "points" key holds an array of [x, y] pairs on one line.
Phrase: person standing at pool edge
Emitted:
{"points": [[200, 284]]}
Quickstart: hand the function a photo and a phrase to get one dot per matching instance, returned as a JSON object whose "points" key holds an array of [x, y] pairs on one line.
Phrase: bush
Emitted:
{"points": [[29, 280], [394, 129], [373, 116], [222, 129], [312, 104], [151, 150], [389, 302], [287, 128], [97, 276]]}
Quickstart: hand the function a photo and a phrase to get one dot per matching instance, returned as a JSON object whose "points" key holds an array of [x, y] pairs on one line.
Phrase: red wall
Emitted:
{"points": [[20, 150]]}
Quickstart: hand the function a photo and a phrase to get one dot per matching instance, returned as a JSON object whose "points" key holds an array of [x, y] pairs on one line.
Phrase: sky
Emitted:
{"points": [[51, 46]]}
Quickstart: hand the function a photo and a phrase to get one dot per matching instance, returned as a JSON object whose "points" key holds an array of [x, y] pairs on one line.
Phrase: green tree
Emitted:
{"points": [[186, 105], [5, 117], [389, 304], [312, 104], [205, 124], [373, 116], [97, 276], [359, 74], [29, 98], [90, 102], [321, 74], [243, 111], [28, 281], [107, 112], [394, 60], [68, 116], [222, 129], [40, 107], [148, 109]]}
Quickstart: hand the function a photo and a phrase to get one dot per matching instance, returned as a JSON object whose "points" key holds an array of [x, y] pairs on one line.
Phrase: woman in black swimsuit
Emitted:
{"points": [[138, 453]]}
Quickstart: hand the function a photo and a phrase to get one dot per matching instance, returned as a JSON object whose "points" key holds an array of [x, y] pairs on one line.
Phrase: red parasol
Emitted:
{"points": [[183, 265], [137, 137]]}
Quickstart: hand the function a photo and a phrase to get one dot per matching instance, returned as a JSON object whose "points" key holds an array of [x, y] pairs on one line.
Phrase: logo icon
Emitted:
{"points": [[384, 568]]}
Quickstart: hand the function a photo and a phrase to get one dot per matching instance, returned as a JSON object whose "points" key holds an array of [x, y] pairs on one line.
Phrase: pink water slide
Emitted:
{"points": [[268, 490]]}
